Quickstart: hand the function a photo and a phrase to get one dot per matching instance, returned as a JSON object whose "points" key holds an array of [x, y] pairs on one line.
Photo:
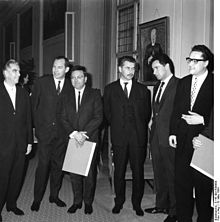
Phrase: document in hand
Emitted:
{"points": [[78, 158], [203, 157]]}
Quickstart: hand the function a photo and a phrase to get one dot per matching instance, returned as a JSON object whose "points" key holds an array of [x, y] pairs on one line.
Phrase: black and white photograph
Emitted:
{"points": [[108, 111]]}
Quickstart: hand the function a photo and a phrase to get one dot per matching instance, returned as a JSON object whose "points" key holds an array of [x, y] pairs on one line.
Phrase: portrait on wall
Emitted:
{"points": [[54, 17], [153, 39]]}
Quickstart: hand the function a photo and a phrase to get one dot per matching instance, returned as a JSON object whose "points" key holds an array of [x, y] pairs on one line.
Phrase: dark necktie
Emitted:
{"points": [[159, 93], [126, 90], [58, 88], [78, 101]]}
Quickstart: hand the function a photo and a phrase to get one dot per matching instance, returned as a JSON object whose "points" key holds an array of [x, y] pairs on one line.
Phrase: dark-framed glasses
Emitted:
{"points": [[195, 61]]}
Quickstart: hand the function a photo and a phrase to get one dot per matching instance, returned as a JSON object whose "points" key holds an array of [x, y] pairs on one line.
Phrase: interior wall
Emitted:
{"points": [[191, 22], [91, 39], [52, 48]]}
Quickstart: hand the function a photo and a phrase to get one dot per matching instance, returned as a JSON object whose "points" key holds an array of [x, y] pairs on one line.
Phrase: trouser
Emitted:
{"points": [[51, 155], [11, 175]]}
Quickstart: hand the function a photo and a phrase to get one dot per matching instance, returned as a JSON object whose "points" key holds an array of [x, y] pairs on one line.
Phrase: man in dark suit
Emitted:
{"points": [[15, 136], [46, 97], [127, 108], [192, 108], [163, 155], [81, 116]]}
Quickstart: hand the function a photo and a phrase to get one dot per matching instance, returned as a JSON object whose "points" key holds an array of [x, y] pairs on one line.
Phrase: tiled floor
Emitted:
{"points": [[104, 200]]}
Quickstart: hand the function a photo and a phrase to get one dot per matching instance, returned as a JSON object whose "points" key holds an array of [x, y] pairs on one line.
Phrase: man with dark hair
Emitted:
{"points": [[127, 108], [192, 109], [81, 116], [47, 94], [15, 136], [163, 156]]}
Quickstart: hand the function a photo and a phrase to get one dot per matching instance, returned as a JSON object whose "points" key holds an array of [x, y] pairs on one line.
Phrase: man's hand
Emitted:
{"points": [[193, 118], [196, 143], [29, 148], [172, 141], [80, 137]]}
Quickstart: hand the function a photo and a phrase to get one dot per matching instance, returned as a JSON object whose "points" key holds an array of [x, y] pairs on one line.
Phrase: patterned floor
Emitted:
{"points": [[102, 205]]}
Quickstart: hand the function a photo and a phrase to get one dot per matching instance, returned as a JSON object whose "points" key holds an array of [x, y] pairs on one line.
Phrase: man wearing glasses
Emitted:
{"points": [[192, 108]]}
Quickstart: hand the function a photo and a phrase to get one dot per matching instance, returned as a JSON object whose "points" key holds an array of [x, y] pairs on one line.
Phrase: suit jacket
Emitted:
{"points": [[162, 112], [88, 118], [46, 105], [15, 124], [209, 129], [203, 105], [114, 109]]}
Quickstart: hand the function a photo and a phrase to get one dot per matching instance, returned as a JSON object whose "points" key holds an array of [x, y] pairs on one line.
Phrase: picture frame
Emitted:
{"points": [[156, 32]]}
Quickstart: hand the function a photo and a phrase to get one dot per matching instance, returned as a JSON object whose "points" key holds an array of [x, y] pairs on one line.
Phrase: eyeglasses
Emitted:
{"points": [[195, 61], [77, 78]]}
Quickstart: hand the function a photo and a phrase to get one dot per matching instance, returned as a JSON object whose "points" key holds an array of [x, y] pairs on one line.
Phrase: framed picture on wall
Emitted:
{"points": [[153, 39]]}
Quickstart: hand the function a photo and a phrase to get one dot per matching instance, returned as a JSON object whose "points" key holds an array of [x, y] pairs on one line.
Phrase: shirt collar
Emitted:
{"points": [[167, 79], [57, 80], [8, 87], [201, 76], [124, 81], [81, 90]]}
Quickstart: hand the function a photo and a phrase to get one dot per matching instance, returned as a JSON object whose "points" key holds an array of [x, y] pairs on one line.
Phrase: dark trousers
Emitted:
{"points": [[163, 159], [11, 173], [136, 156], [186, 178], [84, 187], [51, 155]]}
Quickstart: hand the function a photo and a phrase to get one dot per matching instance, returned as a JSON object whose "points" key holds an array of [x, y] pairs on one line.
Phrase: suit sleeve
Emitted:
{"points": [[209, 130], [35, 100], [107, 109], [97, 118], [176, 114], [29, 121], [149, 110], [64, 117]]}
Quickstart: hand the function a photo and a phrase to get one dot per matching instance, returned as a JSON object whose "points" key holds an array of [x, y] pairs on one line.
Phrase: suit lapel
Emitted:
{"points": [[84, 97], [167, 90], [203, 90], [120, 92], [17, 98], [7, 97]]}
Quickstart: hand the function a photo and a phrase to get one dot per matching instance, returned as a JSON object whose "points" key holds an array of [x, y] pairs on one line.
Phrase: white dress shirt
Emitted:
{"points": [[61, 83], [200, 79], [77, 94], [164, 86], [129, 85], [12, 92]]}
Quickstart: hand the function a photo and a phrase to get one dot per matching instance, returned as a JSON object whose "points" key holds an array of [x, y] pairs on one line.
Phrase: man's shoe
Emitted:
{"points": [[116, 209], [57, 201], [15, 210], [74, 208], [170, 219], [88, 209], [155, 210], [35, 206], [139, 211]]}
